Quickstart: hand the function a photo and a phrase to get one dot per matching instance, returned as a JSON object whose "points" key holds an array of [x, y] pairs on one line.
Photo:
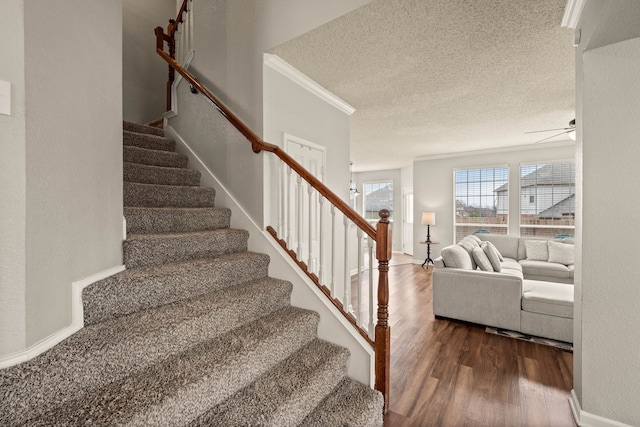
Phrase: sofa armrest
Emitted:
{"points": [[483, 297]]}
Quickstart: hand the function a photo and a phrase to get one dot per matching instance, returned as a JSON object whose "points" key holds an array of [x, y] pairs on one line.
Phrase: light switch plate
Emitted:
{"points": [[5, 98]]}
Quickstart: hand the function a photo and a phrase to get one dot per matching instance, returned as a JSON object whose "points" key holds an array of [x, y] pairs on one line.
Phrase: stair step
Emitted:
{"points": [[146, 140], [146, 250], [137, 127], [155, 195], [147, 156], [147, 174], [150, 345], [176, 390], [349, 404], [144, 288], [286, 394], [164, 220]]}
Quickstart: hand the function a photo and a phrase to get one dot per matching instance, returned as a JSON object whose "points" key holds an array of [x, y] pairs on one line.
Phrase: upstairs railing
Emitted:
{"points": [[309, 230]]}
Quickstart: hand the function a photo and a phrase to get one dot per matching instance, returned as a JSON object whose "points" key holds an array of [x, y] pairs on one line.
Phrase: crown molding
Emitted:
{"points": [[572, 13], [281, 66], [567, 143]]}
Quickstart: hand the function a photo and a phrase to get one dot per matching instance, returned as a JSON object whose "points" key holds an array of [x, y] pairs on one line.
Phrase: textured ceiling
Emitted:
{"points": [[434, 77]]}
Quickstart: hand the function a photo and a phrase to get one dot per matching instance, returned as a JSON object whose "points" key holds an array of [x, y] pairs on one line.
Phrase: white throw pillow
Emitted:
{"points": [[537, 250], [561, 253], [492, 253], [482, 260], [455, 256], [500, 257]]}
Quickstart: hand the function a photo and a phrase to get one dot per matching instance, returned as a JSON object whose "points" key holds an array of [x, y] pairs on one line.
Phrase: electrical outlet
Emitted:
{"points": [[5, 98]]}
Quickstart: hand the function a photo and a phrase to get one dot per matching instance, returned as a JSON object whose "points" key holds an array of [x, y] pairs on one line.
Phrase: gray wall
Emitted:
{"points": [[66, 139], [144, 73], [13, 189], [230, 38], [433, 189], [607, 366]]}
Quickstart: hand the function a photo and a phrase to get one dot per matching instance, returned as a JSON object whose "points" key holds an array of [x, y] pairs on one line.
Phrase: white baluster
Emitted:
{"points": [[288, 197], [281, 204], [371, 290], [333, 250], [321, 240], [310, 236], [346, 304], [359, 233], [299, 216]]}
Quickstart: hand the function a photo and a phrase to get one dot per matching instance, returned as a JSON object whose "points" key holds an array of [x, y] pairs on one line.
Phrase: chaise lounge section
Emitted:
{"points": [[514, 283]]}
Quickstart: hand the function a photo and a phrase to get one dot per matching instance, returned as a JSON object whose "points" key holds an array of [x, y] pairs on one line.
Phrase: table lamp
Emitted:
{"points": [[429, 219]]}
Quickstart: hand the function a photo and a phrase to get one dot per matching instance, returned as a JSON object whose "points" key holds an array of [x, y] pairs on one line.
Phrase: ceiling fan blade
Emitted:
{"points": [[553, 136], [548, 130]]}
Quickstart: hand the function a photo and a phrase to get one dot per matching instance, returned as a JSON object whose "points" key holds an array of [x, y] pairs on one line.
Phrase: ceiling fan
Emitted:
{"points": [[570, 131]]}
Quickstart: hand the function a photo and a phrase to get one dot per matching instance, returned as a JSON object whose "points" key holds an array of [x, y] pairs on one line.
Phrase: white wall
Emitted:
{"points": [[607, 366], [66, 139], [433, 188], [144, 73]]}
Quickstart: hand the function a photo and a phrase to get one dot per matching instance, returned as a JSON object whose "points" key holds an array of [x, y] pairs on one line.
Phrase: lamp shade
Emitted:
{"points": [[429, 218]]}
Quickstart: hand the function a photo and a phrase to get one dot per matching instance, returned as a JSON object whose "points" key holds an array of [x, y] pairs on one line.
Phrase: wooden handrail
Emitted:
{"points": [[381, 234], [257, 144]]}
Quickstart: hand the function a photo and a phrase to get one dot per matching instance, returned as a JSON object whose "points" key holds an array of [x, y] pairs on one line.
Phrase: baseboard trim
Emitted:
{"points": [[586, 419], [77, 321]]}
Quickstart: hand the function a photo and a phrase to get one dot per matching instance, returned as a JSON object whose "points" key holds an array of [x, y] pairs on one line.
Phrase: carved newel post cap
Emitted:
{"points": [[384, 215]]}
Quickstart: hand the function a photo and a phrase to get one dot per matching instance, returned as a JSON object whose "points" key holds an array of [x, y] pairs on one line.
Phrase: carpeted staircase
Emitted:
{"points": [[193, 333]]}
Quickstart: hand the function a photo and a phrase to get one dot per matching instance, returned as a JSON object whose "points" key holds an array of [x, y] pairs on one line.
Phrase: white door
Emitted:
{"points": [[407, 221], [303, 205]]}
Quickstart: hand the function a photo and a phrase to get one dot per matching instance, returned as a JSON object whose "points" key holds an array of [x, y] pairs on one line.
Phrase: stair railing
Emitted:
{"points": [[179, 40], [304, 195]]}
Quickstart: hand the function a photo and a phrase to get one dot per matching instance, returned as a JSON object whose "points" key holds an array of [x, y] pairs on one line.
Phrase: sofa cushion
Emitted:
{"points": [[506, 245], [554, 299], [492, 254], [469, 244], [455, 256], [474, 238], [512, 272], [537, 250], [511, 264], [547, 269], [482, 260], [561, 253]]}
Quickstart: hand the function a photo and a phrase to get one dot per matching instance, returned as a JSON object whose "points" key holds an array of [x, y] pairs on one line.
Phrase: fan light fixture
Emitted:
{"points": [[569, 131]]}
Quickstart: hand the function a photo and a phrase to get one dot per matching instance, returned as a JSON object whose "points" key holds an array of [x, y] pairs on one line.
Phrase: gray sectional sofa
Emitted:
{"points": [[531, 291]]}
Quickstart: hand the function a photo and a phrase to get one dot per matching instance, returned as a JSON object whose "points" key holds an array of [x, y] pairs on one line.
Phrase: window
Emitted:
{"points": [[377, 195], [550, 190], [481, 201]]}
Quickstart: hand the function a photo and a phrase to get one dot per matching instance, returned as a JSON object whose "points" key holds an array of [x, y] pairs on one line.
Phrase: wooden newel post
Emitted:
{"points": [[383, 330]]}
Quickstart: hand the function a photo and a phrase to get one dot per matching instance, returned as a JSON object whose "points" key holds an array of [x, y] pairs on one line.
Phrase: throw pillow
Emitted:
{"points": [[474, 238], [456, 257], [492, 253], [561, 253], [500, 257], [468, 245], [481, 259], [537, 250]]}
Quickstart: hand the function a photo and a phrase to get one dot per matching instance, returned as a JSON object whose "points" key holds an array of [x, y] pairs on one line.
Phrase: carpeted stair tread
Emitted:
{"points": [[349, 404], [154, 195], [109, 351], [148, 156], [145, 140], [148, 174], [285, 395], [164, 220], [137, 127], [179, 388], [144, 288], [145, 250]]}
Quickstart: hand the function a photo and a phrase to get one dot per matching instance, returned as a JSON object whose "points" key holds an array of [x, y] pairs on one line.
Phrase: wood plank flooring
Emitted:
{"points": [[446, 373]]}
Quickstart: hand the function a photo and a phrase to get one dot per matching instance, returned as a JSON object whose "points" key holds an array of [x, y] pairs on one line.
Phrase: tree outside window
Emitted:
{"points": [[377, 196]]}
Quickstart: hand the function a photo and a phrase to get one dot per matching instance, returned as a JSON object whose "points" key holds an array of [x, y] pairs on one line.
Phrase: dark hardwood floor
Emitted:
{"points": [[446, 373]]}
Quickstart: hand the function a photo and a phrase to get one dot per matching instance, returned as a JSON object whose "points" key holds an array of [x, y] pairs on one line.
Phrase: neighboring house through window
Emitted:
{"points": [[377, 195], [550, 192], [481, 201]]}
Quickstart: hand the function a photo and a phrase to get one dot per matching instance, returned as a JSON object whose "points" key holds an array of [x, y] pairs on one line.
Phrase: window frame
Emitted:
{"points": [[505, 224], [374, 221]]}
